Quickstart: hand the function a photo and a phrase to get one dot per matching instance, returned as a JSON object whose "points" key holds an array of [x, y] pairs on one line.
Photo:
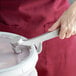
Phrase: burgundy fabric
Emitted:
{"points": [[31, 18]]}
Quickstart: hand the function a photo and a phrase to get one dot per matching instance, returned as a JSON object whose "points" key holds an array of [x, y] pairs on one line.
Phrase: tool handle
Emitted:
{"points": [[41, 38]]}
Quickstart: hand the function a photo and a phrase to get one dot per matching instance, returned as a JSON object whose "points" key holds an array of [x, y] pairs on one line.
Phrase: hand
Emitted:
{"points": [[67, 23]]}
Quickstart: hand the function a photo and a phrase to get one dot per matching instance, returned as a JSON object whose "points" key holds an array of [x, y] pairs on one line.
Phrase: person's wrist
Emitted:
{"points": [[74, 4], [73, 8]]}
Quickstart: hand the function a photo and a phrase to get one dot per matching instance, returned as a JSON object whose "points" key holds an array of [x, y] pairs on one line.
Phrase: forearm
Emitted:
{"points": [[71, 1], [73, 8]]}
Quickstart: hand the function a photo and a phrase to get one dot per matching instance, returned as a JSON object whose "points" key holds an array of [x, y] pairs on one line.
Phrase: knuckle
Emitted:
{"points": [[64, 27], [69, 30]]}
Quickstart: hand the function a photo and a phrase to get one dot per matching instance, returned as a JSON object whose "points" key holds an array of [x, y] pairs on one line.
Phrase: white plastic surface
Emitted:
{"points": [[26, 67]]}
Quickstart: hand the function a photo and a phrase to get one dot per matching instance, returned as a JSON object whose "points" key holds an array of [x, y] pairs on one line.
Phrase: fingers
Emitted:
{"points": [[74, 32], [66, 31], [63, 31], [54, 26], [69, 32]]}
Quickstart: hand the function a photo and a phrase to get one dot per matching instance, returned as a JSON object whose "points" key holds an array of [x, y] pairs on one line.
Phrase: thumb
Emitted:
{"points": [[54, 26]]}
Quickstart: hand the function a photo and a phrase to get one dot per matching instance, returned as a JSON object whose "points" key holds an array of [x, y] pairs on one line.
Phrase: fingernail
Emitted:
{"points": [[49, 30], [61, 37], [67, 36]]}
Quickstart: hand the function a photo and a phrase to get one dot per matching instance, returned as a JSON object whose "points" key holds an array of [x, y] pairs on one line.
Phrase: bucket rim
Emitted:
{"points": [[25, 61]]}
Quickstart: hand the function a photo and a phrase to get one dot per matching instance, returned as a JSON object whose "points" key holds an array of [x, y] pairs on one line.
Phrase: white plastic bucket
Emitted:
{"points": [[25, 67]]}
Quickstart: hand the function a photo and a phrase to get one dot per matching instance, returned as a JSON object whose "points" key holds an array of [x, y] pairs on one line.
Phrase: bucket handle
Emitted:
{"points": [[38, 47], [37, 41], [45, 37]]}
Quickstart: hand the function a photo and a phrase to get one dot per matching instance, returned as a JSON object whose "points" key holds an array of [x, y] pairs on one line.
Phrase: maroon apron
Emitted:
{"points": [[32, 18]]}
